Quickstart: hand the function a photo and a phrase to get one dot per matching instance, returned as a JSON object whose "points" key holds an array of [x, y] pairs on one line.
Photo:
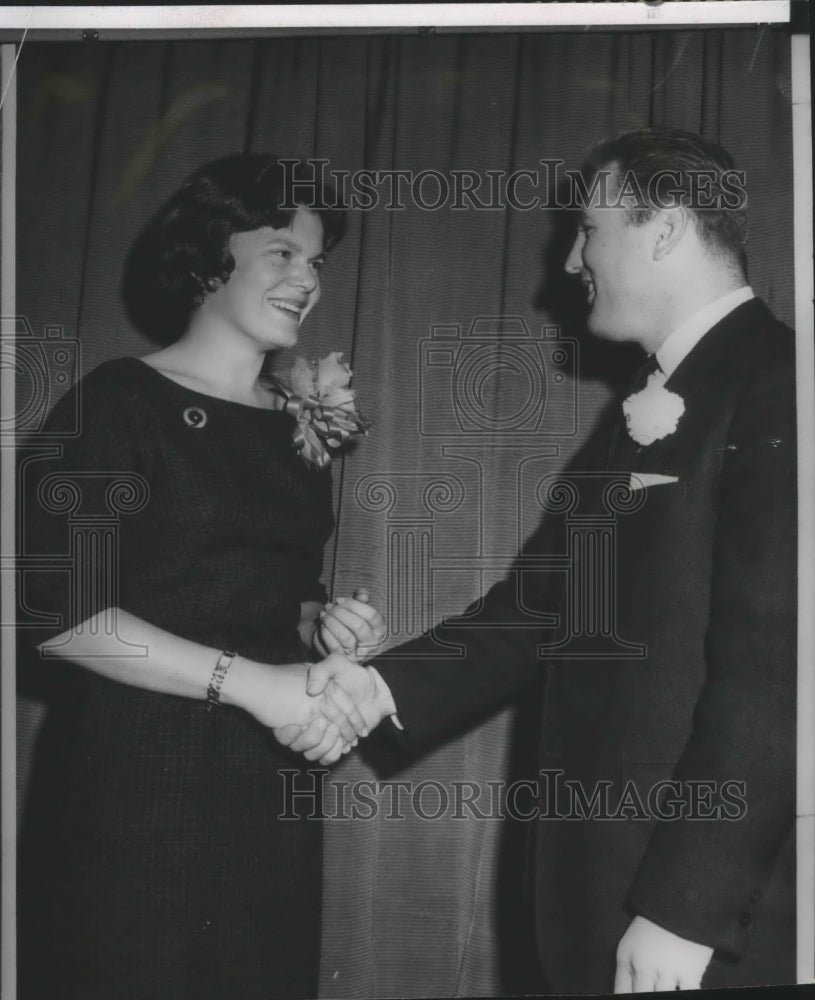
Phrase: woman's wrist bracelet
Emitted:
{"points": [[217, 679]]}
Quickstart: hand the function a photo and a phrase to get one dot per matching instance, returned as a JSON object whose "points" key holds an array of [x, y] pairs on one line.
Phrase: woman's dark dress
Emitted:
{"points": [[156, 862]]}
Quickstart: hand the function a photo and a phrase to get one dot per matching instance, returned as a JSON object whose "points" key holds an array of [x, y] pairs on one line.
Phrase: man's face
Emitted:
{"points": [[613, 259]]}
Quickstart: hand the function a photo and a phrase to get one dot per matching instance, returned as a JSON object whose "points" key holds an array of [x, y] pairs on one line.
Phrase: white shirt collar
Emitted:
{"points": [[688, 334]]}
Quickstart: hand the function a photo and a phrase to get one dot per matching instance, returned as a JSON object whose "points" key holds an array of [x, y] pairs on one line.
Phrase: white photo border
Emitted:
{"points": [[19, 24]]}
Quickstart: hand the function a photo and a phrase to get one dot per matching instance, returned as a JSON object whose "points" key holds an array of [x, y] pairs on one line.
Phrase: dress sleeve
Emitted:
{"points": [[78, 476]]}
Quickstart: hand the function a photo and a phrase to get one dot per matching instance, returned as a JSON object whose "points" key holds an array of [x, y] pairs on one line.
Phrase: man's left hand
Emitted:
{"points": [[649, 958]]}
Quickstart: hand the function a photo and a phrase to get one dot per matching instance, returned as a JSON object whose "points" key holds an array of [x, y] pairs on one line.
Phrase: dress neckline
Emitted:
{"points": [[202, 395]]}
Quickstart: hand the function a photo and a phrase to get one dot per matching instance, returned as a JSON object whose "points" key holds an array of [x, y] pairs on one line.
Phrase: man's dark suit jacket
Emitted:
{"points": [[706, 582]]}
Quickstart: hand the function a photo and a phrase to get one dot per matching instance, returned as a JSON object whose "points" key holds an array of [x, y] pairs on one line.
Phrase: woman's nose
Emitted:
{"points": [[303, 275]]}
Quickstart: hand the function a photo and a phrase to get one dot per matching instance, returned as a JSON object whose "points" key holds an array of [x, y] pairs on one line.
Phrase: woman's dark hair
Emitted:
{"points": [[183, 254]]}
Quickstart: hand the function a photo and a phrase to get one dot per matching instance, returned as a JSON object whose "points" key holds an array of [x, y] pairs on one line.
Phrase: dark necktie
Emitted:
{"points": [[642, 374]]}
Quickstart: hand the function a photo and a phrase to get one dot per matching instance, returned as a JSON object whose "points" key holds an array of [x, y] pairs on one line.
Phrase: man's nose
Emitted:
{"points": [[574, 262]]}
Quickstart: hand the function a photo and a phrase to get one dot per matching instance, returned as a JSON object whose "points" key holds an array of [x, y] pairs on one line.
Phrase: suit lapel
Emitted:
{"points": [[715, 362], [718, 355]]}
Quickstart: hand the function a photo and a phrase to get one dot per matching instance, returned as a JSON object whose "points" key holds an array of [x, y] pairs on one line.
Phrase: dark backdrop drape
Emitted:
{"points": [[433, 505]]}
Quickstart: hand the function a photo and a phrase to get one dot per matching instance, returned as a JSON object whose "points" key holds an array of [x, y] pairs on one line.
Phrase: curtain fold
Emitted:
{"points": [[434, 504]]}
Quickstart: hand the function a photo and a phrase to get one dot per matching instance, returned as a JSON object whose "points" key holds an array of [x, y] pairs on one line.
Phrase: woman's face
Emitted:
{"points": [[275, 282]]}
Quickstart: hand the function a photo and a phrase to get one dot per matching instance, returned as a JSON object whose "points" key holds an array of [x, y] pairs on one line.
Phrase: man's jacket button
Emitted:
{"points": [[745, 920]]}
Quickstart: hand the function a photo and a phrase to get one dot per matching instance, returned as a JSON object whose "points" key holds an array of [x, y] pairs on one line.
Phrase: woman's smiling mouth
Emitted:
{"points": [[287, 306]]}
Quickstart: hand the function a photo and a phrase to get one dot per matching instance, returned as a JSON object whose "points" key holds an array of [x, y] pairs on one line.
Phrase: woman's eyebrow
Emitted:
{"points": [[277, 238], [293, 245]]}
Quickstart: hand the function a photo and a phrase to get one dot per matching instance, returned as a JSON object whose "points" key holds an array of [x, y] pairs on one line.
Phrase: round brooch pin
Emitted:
{"points": [[194, 416]]}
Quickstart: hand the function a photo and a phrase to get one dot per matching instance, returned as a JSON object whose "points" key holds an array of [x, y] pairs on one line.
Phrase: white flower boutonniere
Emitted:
{"points": [[325, 407], [653, 413]]}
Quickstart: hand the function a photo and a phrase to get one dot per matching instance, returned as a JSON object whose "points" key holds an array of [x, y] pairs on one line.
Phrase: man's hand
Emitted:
{"points": [[276, 696], [335, 724], [650, 958], [319, 740], [350, 625], [352, 691], [350, 687]]}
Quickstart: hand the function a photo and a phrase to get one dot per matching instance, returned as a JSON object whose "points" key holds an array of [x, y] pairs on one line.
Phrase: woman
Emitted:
{"points": [[166, 852]]}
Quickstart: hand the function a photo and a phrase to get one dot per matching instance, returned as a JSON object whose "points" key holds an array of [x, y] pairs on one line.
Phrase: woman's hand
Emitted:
{"points": [[352, 626], [276, 696], [361, 692]]}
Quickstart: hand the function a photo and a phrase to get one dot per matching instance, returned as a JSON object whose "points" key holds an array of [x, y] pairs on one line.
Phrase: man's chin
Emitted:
{"points": [[596, 326], [604, 330]]}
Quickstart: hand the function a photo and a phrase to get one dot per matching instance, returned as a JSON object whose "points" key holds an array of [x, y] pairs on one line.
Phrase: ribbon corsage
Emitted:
{"points": [[324, 406]]}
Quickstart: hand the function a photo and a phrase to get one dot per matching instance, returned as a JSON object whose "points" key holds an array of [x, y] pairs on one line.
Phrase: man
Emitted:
{"points": [[678, 872]]}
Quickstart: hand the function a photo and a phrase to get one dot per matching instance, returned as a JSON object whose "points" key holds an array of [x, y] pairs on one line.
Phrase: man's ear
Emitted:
{"points": [[670, 226]]}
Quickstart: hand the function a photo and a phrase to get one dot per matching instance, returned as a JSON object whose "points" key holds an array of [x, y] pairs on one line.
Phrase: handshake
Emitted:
{"points": [[348, 701], [321, 710]]}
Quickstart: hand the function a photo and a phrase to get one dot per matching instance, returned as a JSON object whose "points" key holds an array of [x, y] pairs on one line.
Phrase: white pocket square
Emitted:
{"points": [[639, 480]]}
